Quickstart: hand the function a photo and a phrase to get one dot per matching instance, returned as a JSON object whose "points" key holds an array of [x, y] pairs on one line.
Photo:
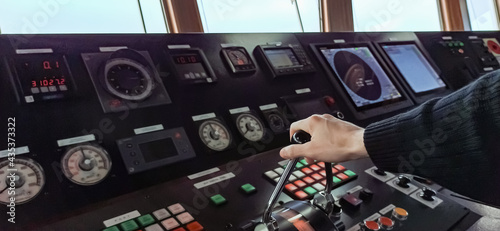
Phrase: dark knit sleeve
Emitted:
{"points": [[454, 141]]}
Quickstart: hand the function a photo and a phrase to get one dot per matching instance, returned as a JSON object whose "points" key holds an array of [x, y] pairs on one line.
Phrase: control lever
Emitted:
{"points": [[300, 137], [321, 215]]}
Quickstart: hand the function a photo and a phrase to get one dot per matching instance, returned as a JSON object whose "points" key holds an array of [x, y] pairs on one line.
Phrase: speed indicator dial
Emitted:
{"points": [[250, 127], [86, 164], [23, 181], [215, 135]]}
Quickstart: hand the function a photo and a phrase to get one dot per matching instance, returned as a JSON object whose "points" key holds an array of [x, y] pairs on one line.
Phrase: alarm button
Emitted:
{"points": [[386, 223], [35, 90], [371, 226], [400, 214]]}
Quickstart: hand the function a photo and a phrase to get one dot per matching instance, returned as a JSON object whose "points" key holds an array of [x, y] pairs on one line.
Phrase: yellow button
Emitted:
{"points": [[400, 213]]}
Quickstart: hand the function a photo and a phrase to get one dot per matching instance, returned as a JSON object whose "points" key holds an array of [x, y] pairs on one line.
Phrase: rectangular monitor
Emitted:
{"points": [[282, 57], [362, 77], [414, 67]]}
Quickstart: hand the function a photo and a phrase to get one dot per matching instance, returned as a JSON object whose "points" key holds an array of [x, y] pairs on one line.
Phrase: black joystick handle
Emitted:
{"points": [[380, 172], [427, 194], [299, 137], [403, 181]]}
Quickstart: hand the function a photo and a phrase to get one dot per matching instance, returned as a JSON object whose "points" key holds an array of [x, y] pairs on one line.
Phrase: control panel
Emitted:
{"points": [[183, 131]]}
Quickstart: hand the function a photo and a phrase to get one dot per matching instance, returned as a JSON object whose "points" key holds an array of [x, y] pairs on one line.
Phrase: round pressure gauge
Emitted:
{"points": [[128, 79], [214, 135], [250, 127], [86, 164], [23, 181]]}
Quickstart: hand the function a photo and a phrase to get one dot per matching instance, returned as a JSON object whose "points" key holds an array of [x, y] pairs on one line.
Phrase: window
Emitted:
{"points": [[238, 16], [89, 16], [483, 14], [396, 15]]}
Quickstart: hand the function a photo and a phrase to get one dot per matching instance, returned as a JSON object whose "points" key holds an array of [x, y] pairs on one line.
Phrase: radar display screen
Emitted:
{"points": [[414, 67], [365, 81]]}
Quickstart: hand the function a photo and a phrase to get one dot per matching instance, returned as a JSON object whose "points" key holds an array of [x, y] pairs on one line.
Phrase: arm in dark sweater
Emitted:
{"points": [[454, 141]]}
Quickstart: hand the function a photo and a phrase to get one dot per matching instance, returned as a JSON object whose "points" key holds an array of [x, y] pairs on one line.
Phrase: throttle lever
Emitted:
{"points": [[299, 137]]}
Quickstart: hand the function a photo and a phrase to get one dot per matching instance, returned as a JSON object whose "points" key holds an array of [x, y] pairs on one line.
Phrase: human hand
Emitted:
{"points": [[332, 140]]}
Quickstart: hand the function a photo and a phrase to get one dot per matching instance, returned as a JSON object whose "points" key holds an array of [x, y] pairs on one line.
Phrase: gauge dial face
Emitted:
{"points": [[86, 164], [276, 122], [24, 181], [238, 57], [250, 127], [215, 135], [128, 79]]}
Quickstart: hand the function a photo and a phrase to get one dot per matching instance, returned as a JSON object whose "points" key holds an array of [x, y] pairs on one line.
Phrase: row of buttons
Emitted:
{"points": [[220, 200], [195, 75], [175, 218], [36, 90], [310, 179]]}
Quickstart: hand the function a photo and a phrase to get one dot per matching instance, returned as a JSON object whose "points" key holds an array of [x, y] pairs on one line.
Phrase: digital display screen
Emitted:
{"points": [[306, 108], [414, 67], [186, 59], [361, 75], [158, 150], [41, 74], [282, 58]]}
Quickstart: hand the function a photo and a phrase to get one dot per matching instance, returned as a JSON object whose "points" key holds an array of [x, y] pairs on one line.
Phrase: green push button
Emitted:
{"points": [[350, 173], [310, 190], [299, 165], [304, 162], [146, 220], [218, 199], [129, 225], [336, 180], [113, 228], [248, 188]]}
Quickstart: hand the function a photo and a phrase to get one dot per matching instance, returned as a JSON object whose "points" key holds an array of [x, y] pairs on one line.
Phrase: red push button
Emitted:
{"points": [[335, 171], [385, 222], [317, 176], [291, 187], [371, 225], [195, 226], [315, 167], [180, 229], [342, 176], [308, 180], [301, 194], [340, 167], [307, 171], [321, 164], [323, 173], [323, 182], [300, 183]]}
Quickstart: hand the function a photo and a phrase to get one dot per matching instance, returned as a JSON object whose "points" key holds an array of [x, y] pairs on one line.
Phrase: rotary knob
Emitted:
{"points": [[403, 181], [427, 194]]}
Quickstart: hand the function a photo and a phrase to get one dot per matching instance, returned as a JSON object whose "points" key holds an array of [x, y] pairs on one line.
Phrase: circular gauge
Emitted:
{"points": [[86, 164], [238, 57], [276, 122], [128, 79], [24, 181], [215, 135], [250, 127]]}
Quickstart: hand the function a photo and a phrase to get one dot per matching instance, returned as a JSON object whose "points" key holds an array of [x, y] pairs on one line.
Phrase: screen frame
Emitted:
{"points": [[203, 61], [420, 96], [282, 48], [367, 111]]}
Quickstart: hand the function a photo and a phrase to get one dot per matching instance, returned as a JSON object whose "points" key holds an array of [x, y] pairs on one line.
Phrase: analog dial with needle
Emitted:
{"points": [[86, 164], [214, 135], [24, 181], [250, 127], [238, 59]]}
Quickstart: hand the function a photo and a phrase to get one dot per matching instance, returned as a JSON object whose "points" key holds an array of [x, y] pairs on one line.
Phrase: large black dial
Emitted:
{"points": [[128, 79]]}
